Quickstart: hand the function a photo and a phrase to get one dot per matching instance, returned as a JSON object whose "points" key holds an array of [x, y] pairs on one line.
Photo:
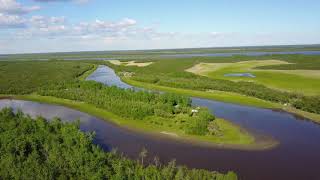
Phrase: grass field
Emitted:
{"points": [[299, 81]]}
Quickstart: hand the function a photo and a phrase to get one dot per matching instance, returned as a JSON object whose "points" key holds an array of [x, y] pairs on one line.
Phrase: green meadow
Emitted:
{"points": [[297, 81]]}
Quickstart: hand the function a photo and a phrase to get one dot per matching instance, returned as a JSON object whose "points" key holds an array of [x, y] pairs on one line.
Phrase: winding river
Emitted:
{"points": [[297, 156]]}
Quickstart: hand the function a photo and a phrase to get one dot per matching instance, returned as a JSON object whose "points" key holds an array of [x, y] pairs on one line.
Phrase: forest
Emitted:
{"points": [[40, 149], [25, 77]]}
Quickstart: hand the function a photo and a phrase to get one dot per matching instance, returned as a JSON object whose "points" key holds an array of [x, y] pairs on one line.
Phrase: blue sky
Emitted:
{"points": [[74, 25]]}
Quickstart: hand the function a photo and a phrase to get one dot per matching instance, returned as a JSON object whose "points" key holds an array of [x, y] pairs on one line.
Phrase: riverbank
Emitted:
{"points": [[87, 73], [234, 137], [227, 97]]}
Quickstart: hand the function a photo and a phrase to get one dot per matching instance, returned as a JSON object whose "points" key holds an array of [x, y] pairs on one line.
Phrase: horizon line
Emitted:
{"points": [[162, 49]]}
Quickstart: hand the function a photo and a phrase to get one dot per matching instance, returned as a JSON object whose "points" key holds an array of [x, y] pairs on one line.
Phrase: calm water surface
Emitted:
{"points": [[240, 75], [297, 157]]}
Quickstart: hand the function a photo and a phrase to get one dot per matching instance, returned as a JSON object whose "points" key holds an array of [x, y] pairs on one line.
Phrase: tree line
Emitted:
{"points": [[38, 149], [24, 77]]}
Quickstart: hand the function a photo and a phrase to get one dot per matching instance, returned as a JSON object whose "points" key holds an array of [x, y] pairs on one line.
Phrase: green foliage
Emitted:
{"points": [[199, 124], [37, 149], [310, 104], [125, 103], [25, 77]]}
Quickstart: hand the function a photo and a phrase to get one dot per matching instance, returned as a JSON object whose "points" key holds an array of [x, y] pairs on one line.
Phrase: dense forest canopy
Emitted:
{"points": [[38, 149], [24, 77]]}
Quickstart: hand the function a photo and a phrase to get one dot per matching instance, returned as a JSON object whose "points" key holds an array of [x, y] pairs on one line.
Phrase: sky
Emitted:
{"points": [[31, 26]]}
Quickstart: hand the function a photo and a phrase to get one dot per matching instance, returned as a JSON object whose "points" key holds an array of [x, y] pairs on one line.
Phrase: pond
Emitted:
{"points": [[297, 156], [240, 75]]}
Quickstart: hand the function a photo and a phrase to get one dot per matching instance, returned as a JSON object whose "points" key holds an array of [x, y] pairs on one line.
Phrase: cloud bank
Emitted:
{"points": [[13, 7]]}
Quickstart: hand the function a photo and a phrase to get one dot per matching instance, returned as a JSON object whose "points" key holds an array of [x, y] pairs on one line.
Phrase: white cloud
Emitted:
{"points": [[44, 27], [42, 21], [58, 27], [13, 7], [11, 14], [99, 26], [11, 21]]}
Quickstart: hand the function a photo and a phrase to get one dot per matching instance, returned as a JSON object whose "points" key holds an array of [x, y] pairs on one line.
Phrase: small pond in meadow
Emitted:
{"points": [[240, 75]]}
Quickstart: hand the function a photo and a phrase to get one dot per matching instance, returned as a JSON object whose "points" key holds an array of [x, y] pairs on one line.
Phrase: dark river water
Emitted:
{"points": [[296, 157]]}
